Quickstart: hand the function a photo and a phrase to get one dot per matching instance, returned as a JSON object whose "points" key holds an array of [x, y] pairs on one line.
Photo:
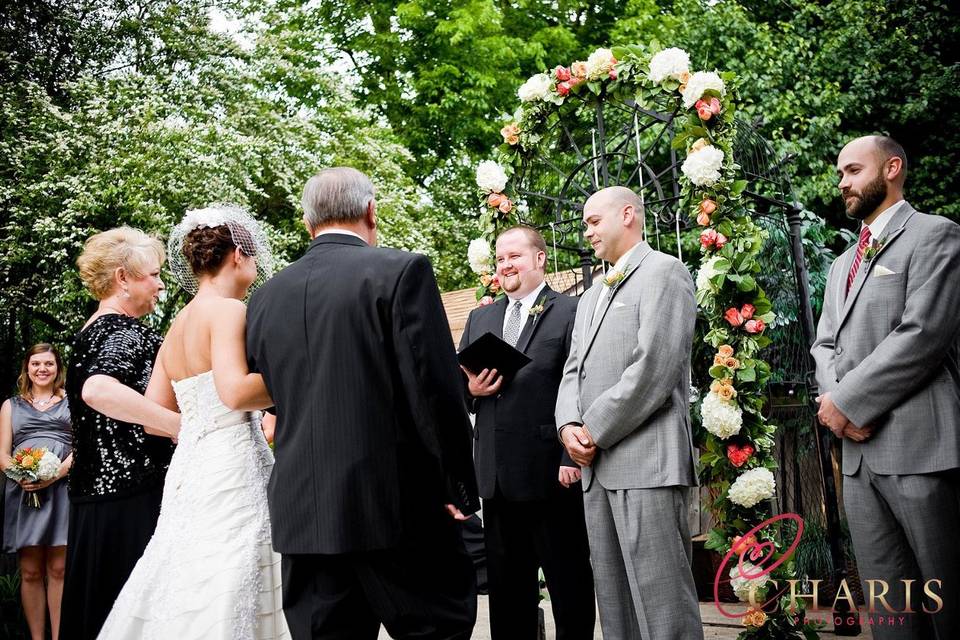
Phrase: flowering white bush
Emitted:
{"points": [[600, 64], [702, 167], [752, 487], [707, 270], [743, 587], [535, 88], [478, 255], [698, 84], [49, 466], [720, 417], [491, 176], [669, 63]]}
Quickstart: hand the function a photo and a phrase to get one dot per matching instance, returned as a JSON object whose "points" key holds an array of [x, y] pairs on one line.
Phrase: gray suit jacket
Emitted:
{"points": [[627, 377], [889, 352]]}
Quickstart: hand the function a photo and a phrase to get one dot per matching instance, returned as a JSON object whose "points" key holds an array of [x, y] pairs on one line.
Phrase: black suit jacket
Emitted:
{"points": [[372, 434], [516, 435]]}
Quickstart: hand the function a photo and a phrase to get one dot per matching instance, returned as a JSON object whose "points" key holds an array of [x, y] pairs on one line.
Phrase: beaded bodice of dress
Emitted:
{"points": [[202, 411]]}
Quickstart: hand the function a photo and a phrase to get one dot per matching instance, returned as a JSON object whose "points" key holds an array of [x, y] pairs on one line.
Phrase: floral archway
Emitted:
{"points": [[736, 461]]}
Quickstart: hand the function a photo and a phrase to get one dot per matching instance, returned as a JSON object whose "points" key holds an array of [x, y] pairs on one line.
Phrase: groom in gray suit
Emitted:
{"points": [[887, 360], [622, 413]]}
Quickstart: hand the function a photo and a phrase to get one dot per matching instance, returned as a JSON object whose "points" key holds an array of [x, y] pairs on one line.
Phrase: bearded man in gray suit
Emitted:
{"points": [[623, 415], [887, 366]]}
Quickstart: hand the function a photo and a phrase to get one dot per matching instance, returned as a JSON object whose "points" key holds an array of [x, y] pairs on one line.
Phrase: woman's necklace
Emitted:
{"points": [[41, 403]]}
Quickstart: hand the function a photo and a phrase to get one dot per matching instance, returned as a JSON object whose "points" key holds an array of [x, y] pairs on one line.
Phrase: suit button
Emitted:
{"points": [[838, 351], [499, 395], [583, 374]]}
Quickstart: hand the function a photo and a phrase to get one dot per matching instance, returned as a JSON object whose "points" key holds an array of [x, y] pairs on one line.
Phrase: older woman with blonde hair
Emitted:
{"points": [[122, 440]]}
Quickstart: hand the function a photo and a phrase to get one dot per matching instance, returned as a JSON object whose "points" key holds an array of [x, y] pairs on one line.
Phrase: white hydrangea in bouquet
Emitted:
{"points": [[743, 587], [707, 271], [670, 63], [33, 464], [753, 486], [698, 84], [703, 164], [478, 255], [600, 65], [722, 418], [537, 87], [491, 177]]}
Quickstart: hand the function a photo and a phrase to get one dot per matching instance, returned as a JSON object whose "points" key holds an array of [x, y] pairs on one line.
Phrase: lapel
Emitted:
{"points": [[892, 231], [606, 295], [494, 319], [530, 326]]}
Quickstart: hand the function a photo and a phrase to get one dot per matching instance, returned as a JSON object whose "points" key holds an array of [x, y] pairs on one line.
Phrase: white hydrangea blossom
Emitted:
{"points": [[669, 63], [702, 167], [742, 587], [599, 64], [698, 84], [49, 466], [478, 255], [752, 487], [491, 176], [535, 88], [721, 417], [707, 270], [207, 217]]}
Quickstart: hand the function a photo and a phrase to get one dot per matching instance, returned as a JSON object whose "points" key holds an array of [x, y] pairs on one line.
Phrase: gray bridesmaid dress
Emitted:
{"points": [[23, 525]]}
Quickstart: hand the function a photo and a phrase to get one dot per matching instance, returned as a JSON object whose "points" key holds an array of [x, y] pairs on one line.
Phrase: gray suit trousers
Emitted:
{"points": [[904, 527], [641, 554]]}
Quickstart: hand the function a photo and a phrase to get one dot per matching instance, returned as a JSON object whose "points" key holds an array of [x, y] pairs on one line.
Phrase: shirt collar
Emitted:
{"points": [[330, 230], [880, 222], [625, 258]]}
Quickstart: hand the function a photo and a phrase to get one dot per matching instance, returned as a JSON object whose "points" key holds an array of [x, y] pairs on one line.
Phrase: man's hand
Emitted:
{"points": [[486, 383], [579, 444], [830, 416], [455, 513], [569, 476], [857, 434]]}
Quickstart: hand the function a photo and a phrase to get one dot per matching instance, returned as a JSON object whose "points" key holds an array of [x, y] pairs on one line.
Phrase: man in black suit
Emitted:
{"points": [[532, 517], [373, 456]]}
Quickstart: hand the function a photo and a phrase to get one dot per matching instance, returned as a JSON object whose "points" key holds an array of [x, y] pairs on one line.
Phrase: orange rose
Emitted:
{"points": [[718, 361], [511, 133], [727, 392], [579, 69], [505, 206], [733, 363], [703, 219], [725, 350], [727, 381], [754, 618], [741, 544], [27, 461], [715, 386], [485, 280], [708, 206], [494, 199]]}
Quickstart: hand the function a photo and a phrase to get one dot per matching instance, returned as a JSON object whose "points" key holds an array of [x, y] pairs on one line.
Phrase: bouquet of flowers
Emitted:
{"points": [[33, 464]]}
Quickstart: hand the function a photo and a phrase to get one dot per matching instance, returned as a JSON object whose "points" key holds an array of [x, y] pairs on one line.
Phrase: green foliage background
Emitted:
{"points": [[130, 112]]}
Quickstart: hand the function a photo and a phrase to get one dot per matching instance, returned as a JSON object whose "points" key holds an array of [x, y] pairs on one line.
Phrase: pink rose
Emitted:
{"points": [[574, 81], [563, 88], [733, 317], [562, 74], [494, 199], [708, 237], [747, 311], [721, 240], [708, 206], [703, 219], [505, 206], [485, 300], [613, 74], [741, 544], [703, 110], [755, 326], [715, 106]]}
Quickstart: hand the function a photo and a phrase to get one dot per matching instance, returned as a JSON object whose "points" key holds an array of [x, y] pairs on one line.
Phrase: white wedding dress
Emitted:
{"points": [[209, 571]]}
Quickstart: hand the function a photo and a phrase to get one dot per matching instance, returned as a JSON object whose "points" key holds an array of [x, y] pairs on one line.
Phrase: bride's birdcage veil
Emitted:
{"points": [[245, 232]]}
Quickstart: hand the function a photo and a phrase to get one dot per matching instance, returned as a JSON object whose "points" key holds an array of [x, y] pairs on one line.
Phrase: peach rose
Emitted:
{"points": [[579, 70], [725, 350], [703, 111], [505, 206], [726, 382], [485, 280], [708, 206], [747, 311], [715, 386], [494, 199], [699, 144], [733, 316], [727, 392], [741, 544], [754, 618], [731, 362], [27, 460], [511, 133], [703, 219], [718, 361]]}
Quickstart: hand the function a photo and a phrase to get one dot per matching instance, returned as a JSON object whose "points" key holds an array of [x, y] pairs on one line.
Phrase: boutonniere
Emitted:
{"points": [[613, 280], [874, 248], [537, 309]]}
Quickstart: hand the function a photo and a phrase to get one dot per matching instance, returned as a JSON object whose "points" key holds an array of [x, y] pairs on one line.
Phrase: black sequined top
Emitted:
{"points": [[113, 459]]}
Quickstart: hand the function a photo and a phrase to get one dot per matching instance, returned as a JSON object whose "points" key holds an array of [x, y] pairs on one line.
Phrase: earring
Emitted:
{"points": [[126, 294]]}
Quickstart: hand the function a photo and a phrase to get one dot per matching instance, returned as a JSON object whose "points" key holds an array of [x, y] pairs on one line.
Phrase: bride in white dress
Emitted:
{"points": [[209, 571]]}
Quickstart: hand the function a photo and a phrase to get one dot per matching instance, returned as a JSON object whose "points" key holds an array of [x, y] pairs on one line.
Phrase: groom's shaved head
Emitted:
{"points": [[615, 198]]}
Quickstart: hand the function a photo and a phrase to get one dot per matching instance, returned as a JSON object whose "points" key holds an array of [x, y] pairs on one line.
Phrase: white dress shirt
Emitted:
{"points": [[620, 265], [526, 303], [344, 231], [880, 222]]}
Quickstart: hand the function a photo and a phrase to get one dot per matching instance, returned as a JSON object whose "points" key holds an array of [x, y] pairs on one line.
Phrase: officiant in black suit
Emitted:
{"points": [[373, 453], [532, 516]]}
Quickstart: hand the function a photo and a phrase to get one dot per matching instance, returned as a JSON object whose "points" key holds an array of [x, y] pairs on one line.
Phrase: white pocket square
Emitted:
{"points": [[881, 270], [616, 304]]}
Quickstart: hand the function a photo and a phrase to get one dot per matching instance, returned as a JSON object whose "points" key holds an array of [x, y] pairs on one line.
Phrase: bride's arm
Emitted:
{"points": [[237, 387]]}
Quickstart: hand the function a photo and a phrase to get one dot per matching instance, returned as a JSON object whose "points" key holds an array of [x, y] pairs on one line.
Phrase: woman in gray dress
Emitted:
{"points": [[38, 416]]}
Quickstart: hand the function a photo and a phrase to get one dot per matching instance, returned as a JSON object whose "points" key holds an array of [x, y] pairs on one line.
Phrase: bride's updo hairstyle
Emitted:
{"points": [[205, 248], [204, 238]]}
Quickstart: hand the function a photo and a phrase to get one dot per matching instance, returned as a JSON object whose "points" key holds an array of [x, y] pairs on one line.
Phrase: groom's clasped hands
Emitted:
{"points": [[579, 444]]}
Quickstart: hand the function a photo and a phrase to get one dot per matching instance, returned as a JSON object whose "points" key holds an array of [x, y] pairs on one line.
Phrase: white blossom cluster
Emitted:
{"points": [[478, 255], [49, 466], [753, 486], [720, 417], [743, 587], [537, 87], [669, 63], [600, 64], [702, 167], [491, 176], [707, 270], [698, 84]]}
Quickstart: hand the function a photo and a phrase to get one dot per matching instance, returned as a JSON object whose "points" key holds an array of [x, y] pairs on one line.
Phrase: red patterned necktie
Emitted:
{"points": [[861, 247]]}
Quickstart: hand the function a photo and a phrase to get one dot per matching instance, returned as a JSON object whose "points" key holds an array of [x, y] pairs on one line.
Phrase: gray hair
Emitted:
{"points": [[336, 195]]}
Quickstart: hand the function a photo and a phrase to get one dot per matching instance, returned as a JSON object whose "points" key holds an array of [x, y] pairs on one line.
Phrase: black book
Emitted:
{"points": [[490, 352]]}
